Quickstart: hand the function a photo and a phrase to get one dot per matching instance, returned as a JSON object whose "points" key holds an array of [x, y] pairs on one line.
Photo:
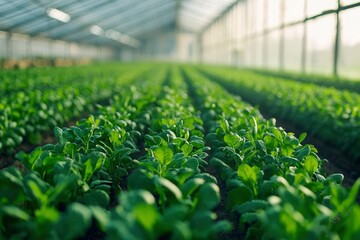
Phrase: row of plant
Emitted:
{"points": [[274, 184], [173, 171], [68, 188], [327, 81], [330, 114], [105, 179], [27, 80], [25, 114]]}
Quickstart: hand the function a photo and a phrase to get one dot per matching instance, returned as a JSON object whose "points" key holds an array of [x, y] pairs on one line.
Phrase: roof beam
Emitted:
{"points": [[116, 24], [31, 19], [219, 16], [76, 28]]}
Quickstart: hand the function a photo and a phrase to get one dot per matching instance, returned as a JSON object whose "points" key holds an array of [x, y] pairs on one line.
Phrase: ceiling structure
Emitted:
{"points": [[107, 22]]}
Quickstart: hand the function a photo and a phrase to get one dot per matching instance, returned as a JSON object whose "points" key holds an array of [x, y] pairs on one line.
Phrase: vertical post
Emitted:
{"points": [[200, 43], [304, 40], [29, 50], [246, 36], [282, 35], [337, 41], [9, 50], [253, 35], [265, 52]]}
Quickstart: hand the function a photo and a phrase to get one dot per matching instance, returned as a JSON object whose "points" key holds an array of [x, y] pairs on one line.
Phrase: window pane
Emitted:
{"points": [[349, 63], [348, 2], [320, 44], [258, 15], [273, 13], [272, 50], [19, 46], [294, 10], [293, 47], [3, 47], [315, 7], [258, 52]]}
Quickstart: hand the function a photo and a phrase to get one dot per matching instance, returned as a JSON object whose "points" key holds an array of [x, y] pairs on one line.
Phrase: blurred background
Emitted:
{"points": [[310, 36]]}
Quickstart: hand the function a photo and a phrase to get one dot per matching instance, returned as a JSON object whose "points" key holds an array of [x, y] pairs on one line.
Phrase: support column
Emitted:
{"points": [[9, 46], [337, 41], [304, 40], [282, 35], [265, 52]]}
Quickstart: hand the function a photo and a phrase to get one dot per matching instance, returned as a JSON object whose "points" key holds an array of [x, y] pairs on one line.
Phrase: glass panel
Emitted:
{"points": [[349, 63], [3, 48], [294, 10], [293, 47], [315, 7], [40, 47], [248, 54], [258, 15], [348, 2], [272, 51], [19, 46], [240, 21], [320, 44], [257, 52], [273, 13], [59, 49]]}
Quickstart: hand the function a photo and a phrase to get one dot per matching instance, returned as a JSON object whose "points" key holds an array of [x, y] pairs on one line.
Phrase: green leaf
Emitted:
{"points": [[237, 196], [95, 198], [277, 134], [164, 155], [163, 183], [192, 163], [250, 206], [232, 139], [336, 177], [302, 152], [311, 164], [224, 124], [14, 212], [248, 174], [146, 215], [191, 185], [208, 196], [114, 137], [130, 199], [287, 150], [12, 189], [186, 148], [174, 214], [189, 123], [58, 132], [75, 222], [202, 221], [101, 216], [139, 180], [302, 137], [94, 162]]}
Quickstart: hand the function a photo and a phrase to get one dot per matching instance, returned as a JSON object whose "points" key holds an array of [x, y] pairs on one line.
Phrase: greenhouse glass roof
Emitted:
{"points": [[106, 22]]}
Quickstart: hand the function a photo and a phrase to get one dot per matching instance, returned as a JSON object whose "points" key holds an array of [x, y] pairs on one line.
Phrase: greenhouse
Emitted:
{"points": [[180, 119]]}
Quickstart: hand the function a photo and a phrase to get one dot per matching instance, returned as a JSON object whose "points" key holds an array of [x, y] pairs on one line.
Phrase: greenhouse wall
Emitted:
{"points": [[300, 36], [20, 46]]}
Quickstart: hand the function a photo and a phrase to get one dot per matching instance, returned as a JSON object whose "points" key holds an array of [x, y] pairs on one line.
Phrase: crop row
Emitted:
{"points": [[68, 186], [91, 184], [327, 81], [274, 183], [35, 108], [142, 168], [332, 115]]}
